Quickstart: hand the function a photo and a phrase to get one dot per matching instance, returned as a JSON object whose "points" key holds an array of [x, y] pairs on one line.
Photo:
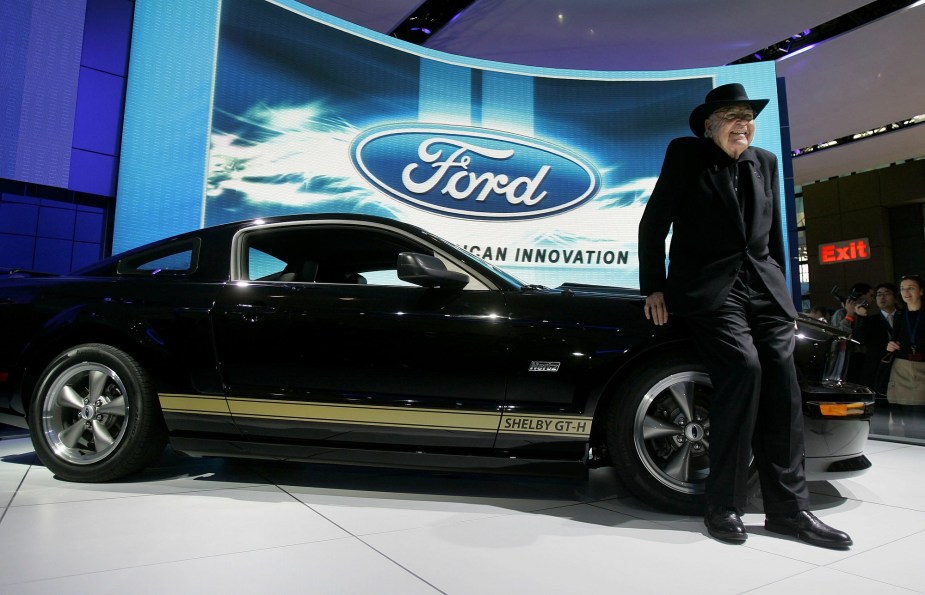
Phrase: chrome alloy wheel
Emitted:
{"points": [[671, 431], [84, 413]]}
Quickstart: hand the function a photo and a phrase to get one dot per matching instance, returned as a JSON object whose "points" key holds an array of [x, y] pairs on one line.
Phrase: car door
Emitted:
{"points": [[333, 348]]}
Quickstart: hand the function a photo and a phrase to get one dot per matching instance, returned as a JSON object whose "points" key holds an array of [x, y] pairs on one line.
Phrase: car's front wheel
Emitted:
{"points": [[94, 415], [658, 434]]}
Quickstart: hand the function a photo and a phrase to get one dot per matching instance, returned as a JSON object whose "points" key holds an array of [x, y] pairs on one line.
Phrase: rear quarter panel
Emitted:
{"points": [[164, 323]]}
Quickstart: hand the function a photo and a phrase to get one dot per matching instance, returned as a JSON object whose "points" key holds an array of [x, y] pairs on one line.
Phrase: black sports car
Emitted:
{"points": [[355, 339]]}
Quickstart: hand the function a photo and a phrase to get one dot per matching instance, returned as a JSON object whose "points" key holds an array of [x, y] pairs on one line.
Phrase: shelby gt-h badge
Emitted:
{"points": [[355, 339]]}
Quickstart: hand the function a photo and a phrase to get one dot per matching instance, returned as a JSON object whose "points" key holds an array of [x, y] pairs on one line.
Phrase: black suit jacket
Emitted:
{"points": [[710, 239]]}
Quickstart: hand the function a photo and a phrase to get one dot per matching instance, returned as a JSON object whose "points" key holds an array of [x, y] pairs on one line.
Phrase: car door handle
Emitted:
{"points": [[251, 312]]}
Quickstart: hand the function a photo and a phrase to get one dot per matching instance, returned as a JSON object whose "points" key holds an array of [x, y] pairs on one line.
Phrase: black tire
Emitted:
{"points": [[658, 432], [95, 415]]}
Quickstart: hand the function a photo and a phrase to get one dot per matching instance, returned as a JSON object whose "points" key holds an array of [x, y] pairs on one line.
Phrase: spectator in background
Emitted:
{"points": [[907, 378], [844, 317], [873, 329], [819, 313]]}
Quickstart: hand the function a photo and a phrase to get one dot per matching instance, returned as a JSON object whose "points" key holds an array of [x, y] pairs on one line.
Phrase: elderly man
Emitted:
{"points": [[725, 283]]}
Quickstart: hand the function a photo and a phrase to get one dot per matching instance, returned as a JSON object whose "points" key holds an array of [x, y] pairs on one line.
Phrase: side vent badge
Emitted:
{"points": [[544, 367]]}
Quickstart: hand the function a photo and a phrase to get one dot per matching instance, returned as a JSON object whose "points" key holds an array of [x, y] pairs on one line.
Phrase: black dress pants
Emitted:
{"points": [[756, 410]]}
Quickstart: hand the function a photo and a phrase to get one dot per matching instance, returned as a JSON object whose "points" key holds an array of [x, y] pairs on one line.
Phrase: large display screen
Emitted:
{"points": [[543, 172]]}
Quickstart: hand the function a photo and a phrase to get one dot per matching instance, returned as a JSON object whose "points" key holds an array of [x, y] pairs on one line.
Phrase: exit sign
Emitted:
{"points": [[847, 251]]}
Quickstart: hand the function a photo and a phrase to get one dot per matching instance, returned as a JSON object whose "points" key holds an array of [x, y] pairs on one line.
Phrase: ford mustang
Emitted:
{"points": [[361, 340]]}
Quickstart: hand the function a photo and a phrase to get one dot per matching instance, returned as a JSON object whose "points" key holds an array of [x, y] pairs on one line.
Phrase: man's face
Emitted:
{"points": [[732, 128], [886, 299]]}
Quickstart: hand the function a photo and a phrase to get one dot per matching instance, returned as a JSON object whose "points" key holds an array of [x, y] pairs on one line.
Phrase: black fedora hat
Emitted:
{"points": [[731, 94]]}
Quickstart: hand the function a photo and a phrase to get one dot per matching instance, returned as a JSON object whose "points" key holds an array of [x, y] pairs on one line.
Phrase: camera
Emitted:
{"points": [[853, 296]]}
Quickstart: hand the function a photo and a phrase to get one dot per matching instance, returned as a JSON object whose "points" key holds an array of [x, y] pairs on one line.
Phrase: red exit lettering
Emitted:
{"points": [[847, 251]]}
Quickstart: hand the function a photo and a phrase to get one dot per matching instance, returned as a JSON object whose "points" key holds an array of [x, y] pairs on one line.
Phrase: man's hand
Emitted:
{"points": [[655, 308], [858, 307], [851, 307]]}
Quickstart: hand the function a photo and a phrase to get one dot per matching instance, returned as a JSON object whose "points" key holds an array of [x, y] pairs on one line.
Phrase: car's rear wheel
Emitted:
{"points": [[658, 434], [95, 416]]}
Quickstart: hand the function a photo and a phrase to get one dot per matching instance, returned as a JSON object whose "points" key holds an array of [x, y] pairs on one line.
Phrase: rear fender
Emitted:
{"points": [[141, 342]]}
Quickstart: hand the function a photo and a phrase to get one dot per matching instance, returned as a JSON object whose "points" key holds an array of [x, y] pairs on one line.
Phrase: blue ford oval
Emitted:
{"points": [[473, 173]]}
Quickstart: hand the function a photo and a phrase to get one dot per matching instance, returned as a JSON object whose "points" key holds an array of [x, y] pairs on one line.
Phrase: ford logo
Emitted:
{"points": [[474, 173]]}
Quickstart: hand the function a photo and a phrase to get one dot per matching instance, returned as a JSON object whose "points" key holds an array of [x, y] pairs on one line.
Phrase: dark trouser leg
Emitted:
{"points": [[747, 346], [725, 344], [778, 443]]}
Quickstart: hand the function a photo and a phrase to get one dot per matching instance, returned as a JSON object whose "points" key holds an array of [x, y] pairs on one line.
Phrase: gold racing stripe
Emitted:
{"points": [[404, 417], [199, 404]]}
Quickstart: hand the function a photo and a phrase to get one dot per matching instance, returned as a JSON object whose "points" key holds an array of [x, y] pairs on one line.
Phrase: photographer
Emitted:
{"points": [[844, 317], [859, 303]]}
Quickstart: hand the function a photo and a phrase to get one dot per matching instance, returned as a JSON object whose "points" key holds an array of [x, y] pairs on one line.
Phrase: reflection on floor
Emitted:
{"points": [[211, 525]]}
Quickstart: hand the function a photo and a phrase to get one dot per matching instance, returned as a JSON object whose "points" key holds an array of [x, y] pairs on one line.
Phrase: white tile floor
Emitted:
{"points": [[218, 526]]}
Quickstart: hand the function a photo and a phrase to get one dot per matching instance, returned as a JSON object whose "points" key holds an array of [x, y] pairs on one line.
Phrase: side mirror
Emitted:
{"points": [[428, 271]]}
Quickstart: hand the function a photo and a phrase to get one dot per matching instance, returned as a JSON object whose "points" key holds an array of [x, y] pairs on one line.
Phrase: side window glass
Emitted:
{"points": [[384, 277], [176, 263], [261, 265], [169, 260]]}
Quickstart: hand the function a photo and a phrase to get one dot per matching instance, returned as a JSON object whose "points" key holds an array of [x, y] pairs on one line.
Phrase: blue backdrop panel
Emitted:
{"points": [[166, 126], [268, 107]]}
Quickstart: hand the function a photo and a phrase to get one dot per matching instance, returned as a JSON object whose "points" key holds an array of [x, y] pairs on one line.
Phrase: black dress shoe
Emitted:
{"points": [[806, 527], [724, 524]]}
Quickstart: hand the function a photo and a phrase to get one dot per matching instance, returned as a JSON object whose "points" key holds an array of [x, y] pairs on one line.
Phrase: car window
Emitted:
{"points": [[327, 253], [262, 265], [170, 260], [386, 277]]}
